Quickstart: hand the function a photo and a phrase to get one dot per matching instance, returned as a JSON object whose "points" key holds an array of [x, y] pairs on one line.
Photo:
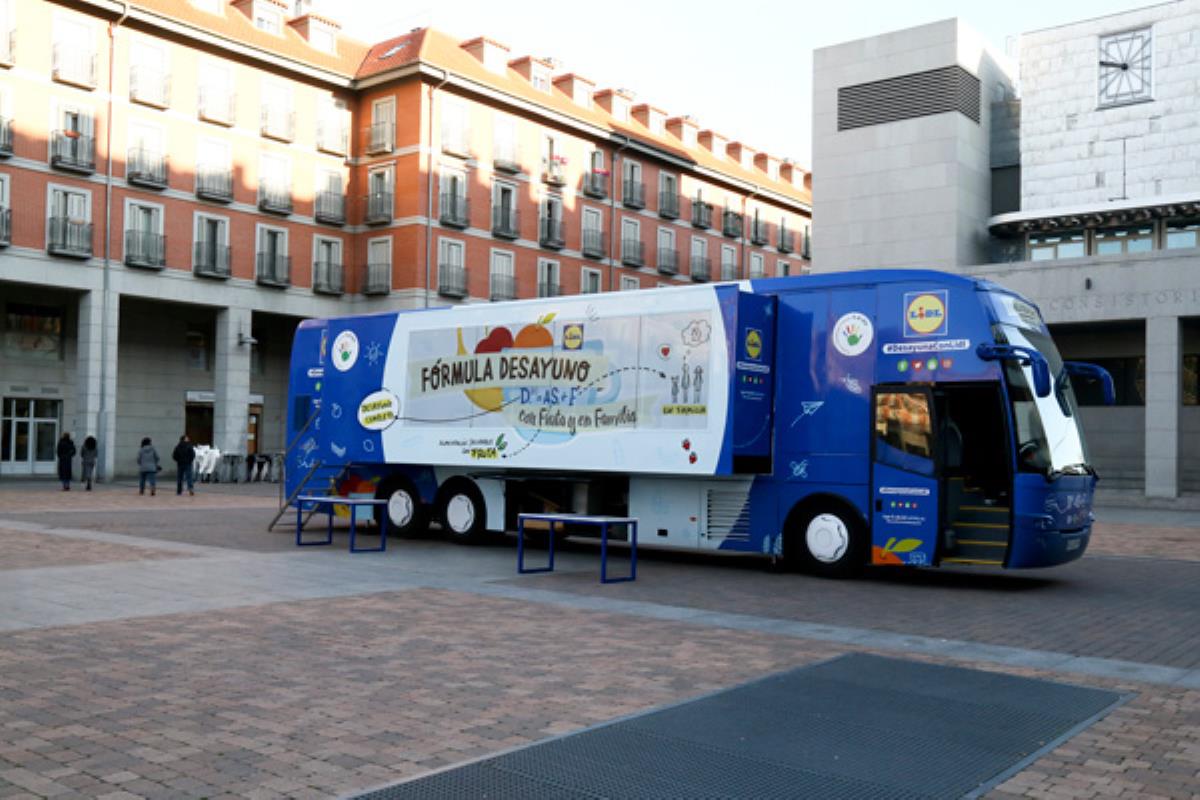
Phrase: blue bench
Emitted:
{"points": [[603, 523], [328, 504]]}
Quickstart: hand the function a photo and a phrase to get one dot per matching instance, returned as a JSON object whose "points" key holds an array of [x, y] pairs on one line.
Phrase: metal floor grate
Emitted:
{"points": [[856, 726]]}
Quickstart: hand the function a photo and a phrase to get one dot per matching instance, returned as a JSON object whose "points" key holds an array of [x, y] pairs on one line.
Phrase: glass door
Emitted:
{"points": [[29, 430]]}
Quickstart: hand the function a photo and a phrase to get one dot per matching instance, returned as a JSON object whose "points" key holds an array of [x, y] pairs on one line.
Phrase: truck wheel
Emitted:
{"points": [[827, 541], [461, 510], [404, 513]]}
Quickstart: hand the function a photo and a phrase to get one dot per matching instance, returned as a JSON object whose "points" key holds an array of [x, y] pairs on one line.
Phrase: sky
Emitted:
{"points": [[741, 67]]}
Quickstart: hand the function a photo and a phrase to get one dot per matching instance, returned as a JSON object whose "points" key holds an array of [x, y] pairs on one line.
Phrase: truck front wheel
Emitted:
{"points": [[827, 541], [462, 511]]}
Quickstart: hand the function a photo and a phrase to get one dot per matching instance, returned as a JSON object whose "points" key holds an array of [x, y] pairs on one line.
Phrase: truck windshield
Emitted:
{"points": [[1048, 436]]}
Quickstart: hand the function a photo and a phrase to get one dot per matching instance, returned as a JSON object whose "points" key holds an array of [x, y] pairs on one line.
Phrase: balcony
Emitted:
{"points": [[328, 278], [700, 268], [554, 171], [278, 123], [806, 246], [595, 184], [378, 208], [506, 222], [378, 279], [145, 249], [760, 232], [6, 137], [5, 226], [330, 208], [275, 197], [668, 205], [787, 240], [548, 289], [74, 65], [151, 87], [273, 270], [69, 237], [452, 280], [503, 287], [633, 193], [8, 47], [72, 151], [506, 158], [332, 137], [214, 183], [210, 259], [593, 243], [632, 253], [668, 261], [381, 138], [217, 105], [728, 271], [702, 214], [146, 167], [731, 224], [453, 210], [550, 232]]}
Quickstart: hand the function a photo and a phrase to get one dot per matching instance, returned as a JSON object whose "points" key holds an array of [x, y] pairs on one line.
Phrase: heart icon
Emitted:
{"points": [[664, 351]]}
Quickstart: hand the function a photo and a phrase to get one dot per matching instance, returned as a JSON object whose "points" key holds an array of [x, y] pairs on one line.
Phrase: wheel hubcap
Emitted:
{"points": [[400, 508], [827, 538], [460, 513]]}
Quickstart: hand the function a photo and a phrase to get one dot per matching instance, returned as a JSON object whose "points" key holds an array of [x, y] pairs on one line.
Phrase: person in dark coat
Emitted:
{"points": [[65, 452], [185, 457], [148, 467], [87, 456]]}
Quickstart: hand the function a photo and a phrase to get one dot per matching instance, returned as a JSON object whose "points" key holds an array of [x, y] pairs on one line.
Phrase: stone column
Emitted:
{"points": [[96, 381], [1164, 363], [231, 381]]}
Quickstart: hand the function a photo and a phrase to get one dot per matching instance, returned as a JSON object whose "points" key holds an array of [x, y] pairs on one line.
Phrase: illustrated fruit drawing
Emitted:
{"points": [[692, 458], [498, 340], [537, 334]]}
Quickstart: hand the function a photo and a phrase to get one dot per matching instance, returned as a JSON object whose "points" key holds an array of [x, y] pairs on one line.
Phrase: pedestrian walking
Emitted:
{"points": [[148, 467], [184, 456], [65, 452], [87, 455]]}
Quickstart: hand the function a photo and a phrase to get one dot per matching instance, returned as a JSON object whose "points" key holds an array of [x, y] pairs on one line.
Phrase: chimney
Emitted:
{"points": [[684, 129], [535, 70], [713, 142], [577, 87], [652, 118], [490, 53], [615, 101], [741, 153]]}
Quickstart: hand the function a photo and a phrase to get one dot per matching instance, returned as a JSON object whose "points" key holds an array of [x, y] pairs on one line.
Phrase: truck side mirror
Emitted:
{"points": [[1094, 372], [1025, 356]]}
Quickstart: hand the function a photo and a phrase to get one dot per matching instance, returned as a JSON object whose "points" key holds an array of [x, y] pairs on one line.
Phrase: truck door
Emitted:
{"points": [[904, 475]]}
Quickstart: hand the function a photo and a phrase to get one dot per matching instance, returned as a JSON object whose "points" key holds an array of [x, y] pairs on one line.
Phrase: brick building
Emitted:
{"points": [[182, 181]]}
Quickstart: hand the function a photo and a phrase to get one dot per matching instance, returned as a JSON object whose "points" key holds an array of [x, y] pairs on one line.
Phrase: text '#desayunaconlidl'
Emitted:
{"points": [[493, 369]]}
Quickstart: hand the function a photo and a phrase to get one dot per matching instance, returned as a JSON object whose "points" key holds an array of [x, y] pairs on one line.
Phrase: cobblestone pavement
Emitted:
{"points": [[259, 670]]}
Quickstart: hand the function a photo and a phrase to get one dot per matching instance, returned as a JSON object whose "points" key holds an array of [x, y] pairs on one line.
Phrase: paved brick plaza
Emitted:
{"points": [[179, 650]]}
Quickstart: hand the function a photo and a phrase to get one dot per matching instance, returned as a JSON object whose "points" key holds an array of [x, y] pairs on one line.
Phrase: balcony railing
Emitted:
{"points": [[145, 249], [757, 270], [330, 207], [217, 105], [328, 278], [74, 65], [5, 226], [278, 123], [146, 167], [507, 158], [668, 260], [506, 222], [595, 184], [381, 138], [378, 279], [214, 183], [8, 47], [71, 150], [548, 289], [69, 237], [6, 137], [668, 205], [731, 224], [275, 196], [550, 232], [593, 243], [452, 280], [728, 271], [633, 193], [631, 253], [553, 172], [806, 246], [273, 270], [151, 87], [379, 208], [332, 137], [787, 240], [760, 232], [210, 259], [453, 210], [503, 286], [702, 214], [700, 267]]}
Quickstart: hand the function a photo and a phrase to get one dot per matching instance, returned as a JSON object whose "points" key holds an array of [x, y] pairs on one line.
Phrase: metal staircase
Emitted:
{"points": [[321, 480]]}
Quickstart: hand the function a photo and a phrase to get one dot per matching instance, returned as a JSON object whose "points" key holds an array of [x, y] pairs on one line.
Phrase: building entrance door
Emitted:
{"points": [[29, 429], [252, 430]]}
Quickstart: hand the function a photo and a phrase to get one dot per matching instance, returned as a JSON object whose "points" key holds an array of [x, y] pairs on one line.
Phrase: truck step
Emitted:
{"points": [[980, 562]]}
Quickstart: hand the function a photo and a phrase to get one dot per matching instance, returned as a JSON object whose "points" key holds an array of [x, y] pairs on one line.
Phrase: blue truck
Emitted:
{"points": [[899, 417]]}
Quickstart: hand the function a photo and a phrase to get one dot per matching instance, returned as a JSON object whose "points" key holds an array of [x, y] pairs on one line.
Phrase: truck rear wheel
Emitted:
{"points": [[827, 540], [404, 513], [462, 511]]}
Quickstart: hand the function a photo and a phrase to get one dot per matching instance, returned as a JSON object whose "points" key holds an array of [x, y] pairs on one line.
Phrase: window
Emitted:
{"points": [[267, 19], [504, 210], [629, 283], [782, 269], [757, 266], [589, 281], [208, 6], [631, 242], [904, 431], [1191, 379], [1129, 382], [149, 75], [454, 128], [593, 232], [69, 228], [216, 98], [146, 159], [278, 121], [333, 126], [502, 276], [72, 146], [210, 254], [699, 254], [379, 266], [550, 226], [1113, 241], [504, 143], [274, 266], [539, 77], [381, 138], [728, 263], [668, 260], [327, 265], [74, 52], [553, 162], [33, 331], [322, 38], [379, 195], [274, 174], [452, 276], [547, 278], [1047, 247], [144, 243], [450, 251], [1182, 234]]}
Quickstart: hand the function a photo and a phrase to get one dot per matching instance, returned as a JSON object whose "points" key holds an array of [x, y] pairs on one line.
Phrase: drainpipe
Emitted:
{"points": [[612, 215], [429, 187], [102, 412], [745, 216]]}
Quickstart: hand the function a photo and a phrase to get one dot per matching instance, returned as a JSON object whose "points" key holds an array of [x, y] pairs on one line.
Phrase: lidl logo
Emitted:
{"points": [[753, 343], [926, 313], [572, 336]]}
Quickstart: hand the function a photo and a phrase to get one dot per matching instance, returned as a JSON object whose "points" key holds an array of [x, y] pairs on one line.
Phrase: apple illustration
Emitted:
{"points": [[692, 458], [687, 444], [499, 339]]}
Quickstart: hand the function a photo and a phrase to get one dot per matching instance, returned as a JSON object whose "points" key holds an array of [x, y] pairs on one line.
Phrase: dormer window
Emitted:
{"points": [[323, 39], [539, 76], [208, 6], [268, 19]]}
